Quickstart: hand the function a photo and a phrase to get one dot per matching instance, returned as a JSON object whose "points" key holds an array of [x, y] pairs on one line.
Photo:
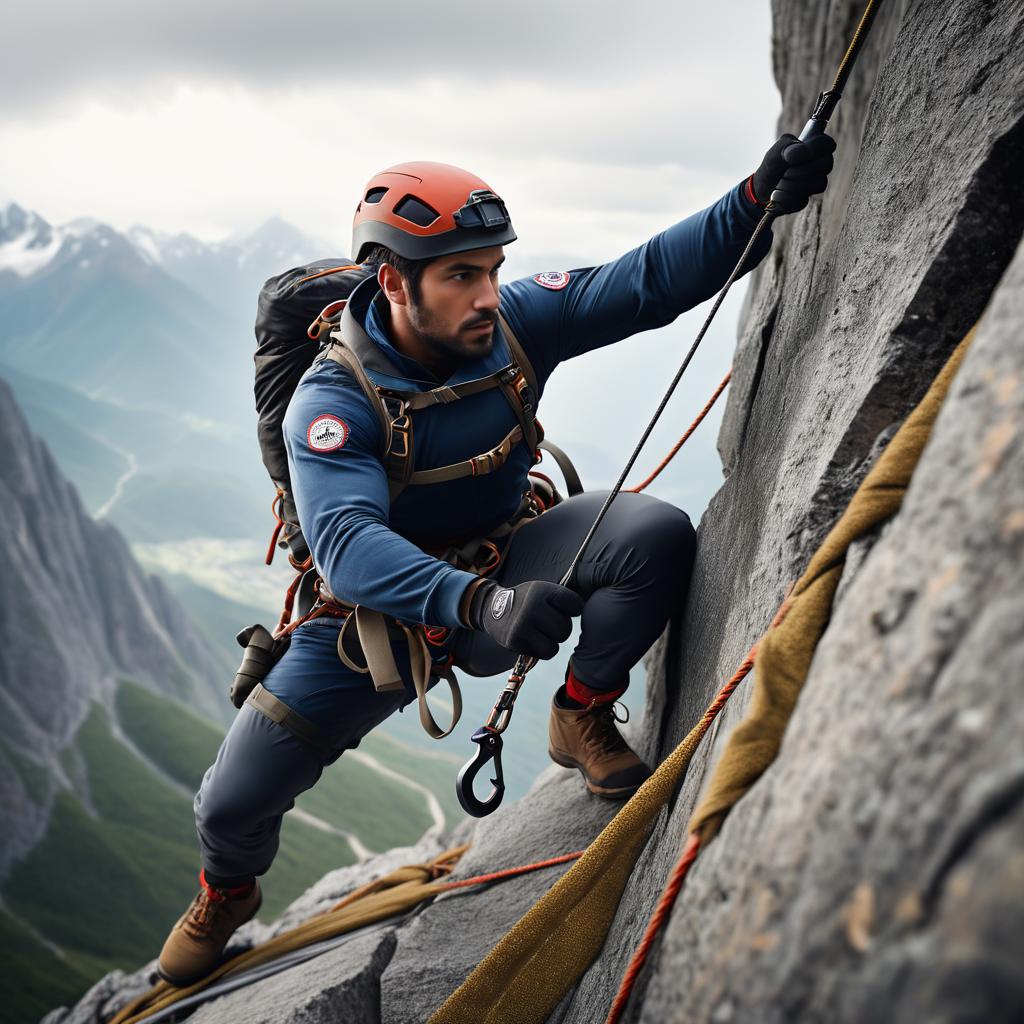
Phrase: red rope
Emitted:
{"points": [[690, 850], [498, 876], [679, 444], [661, 912]]}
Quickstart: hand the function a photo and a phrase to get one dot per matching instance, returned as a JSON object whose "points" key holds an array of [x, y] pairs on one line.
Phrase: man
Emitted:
{"points": [[428, 321]]}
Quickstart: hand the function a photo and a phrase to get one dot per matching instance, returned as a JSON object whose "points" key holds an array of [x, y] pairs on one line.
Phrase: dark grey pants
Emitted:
{"points": [[634, 575]]}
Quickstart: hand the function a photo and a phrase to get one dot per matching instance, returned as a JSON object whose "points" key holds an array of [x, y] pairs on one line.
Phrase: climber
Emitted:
{"points": [[428, 319]]}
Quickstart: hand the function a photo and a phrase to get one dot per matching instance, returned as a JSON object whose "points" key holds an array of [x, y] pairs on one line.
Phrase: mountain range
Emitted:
{"points": [[129, 351], [113, 699]]}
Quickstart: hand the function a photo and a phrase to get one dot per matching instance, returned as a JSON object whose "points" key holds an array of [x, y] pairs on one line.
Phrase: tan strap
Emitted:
{"points": [[479, 465], [343, 654], [519, 356], [526, 414], [422, 669], [450, 393], [573, 484], [277, 711], [375, 641], [339, 352]]}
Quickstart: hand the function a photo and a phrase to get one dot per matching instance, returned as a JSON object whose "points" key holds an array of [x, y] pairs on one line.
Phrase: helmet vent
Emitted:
{"points": [[375, 195], [416, 211]]}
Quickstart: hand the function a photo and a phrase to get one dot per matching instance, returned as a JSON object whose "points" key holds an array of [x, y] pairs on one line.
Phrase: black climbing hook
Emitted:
{"points": [[490, 750]]}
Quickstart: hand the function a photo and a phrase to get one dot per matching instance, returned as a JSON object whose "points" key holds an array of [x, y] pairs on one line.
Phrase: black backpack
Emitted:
{"points": [[291, 307]]}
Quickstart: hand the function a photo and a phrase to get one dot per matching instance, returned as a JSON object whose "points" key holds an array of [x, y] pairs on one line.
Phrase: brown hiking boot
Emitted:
{"points": [[196, 942], [587, 739]]}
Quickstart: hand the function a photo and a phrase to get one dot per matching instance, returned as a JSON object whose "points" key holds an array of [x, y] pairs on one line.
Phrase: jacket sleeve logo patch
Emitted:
{"points": [[556, 280], [326, 433]]}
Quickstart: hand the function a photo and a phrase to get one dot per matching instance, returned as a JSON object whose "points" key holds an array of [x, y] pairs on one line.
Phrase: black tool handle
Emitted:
{"points": [[816, 123]]}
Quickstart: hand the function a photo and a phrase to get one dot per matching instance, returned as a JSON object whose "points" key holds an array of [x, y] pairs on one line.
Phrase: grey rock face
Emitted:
{"points": [[885, 842], [341, 985], [109, 995], [442, 945]]}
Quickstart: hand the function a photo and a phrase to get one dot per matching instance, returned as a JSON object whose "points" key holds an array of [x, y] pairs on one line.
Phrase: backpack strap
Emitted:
{"points": [[517, 381], [522, 391], [340, 353], [396, 453]]}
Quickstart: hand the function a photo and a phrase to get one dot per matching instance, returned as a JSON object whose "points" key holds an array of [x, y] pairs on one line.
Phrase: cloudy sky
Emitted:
{"points": [[598, 123]]}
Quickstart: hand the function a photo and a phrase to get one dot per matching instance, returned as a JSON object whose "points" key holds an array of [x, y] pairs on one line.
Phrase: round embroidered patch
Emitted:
{"points": [[326, 433], [556, 280]]}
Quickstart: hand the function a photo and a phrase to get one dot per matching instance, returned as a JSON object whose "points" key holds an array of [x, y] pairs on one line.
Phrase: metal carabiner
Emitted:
{"points": [[490, 749]]}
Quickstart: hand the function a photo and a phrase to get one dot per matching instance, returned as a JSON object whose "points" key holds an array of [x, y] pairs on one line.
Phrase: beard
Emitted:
{"points": [[448, 344]]}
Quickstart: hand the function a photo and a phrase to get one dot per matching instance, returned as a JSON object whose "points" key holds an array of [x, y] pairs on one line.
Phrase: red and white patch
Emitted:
{"points": [[556, 280], [326, 433]]}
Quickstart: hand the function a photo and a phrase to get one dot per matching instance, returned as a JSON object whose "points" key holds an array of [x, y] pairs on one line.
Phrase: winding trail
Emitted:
{"points": [[52, 946], [359, 849], [433, 804], [120, 484]]}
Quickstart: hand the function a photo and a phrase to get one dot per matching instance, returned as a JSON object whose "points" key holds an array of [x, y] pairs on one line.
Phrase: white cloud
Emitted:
{"points": [[600, 124]]}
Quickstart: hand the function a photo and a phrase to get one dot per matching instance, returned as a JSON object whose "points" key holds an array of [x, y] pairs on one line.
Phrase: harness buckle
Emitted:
{"points": [[482, 464], [524, 393], [401, 427]]}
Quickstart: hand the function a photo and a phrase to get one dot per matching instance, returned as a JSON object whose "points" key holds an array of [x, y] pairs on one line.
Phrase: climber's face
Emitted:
{"points": [[453, 310]]}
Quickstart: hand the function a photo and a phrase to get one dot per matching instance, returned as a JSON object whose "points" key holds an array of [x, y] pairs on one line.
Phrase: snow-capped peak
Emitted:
{"points": [[82, 226], [27, 242]]}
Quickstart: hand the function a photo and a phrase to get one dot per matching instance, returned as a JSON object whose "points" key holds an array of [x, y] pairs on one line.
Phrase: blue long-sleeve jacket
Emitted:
{"points": [[360, 545]]}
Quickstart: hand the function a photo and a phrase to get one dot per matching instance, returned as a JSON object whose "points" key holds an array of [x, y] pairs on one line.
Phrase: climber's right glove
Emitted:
{"points": [[797, 169], [532, 618]]}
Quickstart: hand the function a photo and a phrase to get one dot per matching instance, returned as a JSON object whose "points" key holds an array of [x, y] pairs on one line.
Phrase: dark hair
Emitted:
{"points": [[411, 270]]}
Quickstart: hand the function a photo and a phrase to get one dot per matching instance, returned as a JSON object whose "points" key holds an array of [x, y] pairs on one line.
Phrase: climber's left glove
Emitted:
{"points": [[798, 169]]}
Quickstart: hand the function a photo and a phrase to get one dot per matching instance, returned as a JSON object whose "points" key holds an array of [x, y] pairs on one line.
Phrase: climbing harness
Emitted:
{"points": [[488, 736], [366, 637]]}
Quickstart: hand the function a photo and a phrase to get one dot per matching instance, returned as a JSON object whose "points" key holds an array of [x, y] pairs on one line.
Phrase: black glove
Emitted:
{"points": [[532, 618], [798, 169]]}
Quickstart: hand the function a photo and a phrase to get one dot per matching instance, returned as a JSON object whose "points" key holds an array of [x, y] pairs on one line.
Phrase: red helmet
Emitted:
{"points": [[424, 209]]}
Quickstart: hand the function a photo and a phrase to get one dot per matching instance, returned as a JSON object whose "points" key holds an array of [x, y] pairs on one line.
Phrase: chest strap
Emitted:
{"points": [[516, 381]]}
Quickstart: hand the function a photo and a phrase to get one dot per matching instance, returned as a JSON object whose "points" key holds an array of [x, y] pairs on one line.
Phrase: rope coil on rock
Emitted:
{"points": [[383, 898]]}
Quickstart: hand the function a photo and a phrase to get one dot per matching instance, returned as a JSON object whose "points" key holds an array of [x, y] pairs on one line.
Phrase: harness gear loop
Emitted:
{"points": [[277, 507]]}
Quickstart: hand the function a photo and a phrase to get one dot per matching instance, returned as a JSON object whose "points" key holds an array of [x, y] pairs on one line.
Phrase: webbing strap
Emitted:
{"points": [[573, 484], [399, 463], [375, 641], [340, 353], [532, 430], [277, 711], [450, 393], [478, 465]]}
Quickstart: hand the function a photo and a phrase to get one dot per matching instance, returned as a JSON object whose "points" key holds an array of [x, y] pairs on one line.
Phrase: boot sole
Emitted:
{"points": [[622, 793], [179, 982]]}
